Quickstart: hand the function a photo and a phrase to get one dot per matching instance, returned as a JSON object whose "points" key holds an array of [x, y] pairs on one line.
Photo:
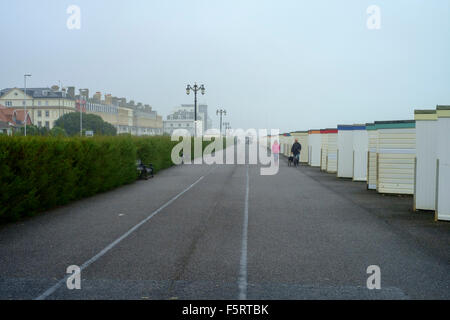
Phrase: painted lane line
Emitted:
{"points": [[243, 265], [52, 289]]}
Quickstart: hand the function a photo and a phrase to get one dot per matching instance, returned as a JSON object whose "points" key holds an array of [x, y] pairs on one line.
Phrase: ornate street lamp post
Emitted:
{"points": [[196, 88], [83, 100], [221, 112], [227, 127]]}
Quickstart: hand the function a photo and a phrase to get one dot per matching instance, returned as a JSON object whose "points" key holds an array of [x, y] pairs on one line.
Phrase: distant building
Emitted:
{"points": [[203, 108], [6, 128], [46, 105], [146, 121], [183, 118], [12, 119], [135, 119]]}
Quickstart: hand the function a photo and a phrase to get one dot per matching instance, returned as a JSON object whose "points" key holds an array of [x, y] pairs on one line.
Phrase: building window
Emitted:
{"points": [[8, 103], [46, 103], [47, 124], [39, 102], [47, 113], [39, 124], [39, 113]]}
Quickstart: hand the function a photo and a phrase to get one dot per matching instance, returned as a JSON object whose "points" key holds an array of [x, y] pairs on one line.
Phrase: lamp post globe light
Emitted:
{"points": [[25, 100], [195, 88], [221, 112]]}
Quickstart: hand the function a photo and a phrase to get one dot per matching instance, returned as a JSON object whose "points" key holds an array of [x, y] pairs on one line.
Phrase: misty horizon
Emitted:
{"points": [[294, 65]]}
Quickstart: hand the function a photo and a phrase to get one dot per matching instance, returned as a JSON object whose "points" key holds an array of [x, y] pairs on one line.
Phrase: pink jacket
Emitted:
{"points": [[276, 148]]}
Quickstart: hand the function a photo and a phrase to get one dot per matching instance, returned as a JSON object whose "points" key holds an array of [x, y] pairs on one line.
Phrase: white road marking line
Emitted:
{"points": [[243, 270], [51, 290]]}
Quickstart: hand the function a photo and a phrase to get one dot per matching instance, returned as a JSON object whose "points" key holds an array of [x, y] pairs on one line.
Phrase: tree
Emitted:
{"points": [[58, 132], [70, 122], [32, 130]]}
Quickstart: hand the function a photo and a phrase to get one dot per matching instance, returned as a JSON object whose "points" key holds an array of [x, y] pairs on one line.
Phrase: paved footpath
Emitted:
{"points": [[226, 232]]}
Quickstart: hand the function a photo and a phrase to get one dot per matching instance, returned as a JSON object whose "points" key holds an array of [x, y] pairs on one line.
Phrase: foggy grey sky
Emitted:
{"points": [[292, 65]]}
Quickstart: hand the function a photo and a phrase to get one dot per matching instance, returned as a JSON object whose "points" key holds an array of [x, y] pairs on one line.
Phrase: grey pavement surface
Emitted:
{"points": [[310, 236]]}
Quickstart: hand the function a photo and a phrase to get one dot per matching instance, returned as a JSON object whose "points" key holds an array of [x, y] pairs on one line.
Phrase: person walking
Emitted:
{"points": [[296, 149], [276, 150]]}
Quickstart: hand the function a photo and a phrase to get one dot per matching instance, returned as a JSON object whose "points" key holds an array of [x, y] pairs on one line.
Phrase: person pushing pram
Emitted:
{"points": [[296, 150]]}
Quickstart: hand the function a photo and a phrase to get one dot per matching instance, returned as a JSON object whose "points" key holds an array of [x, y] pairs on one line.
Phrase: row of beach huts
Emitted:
{"points": [[392, 157]]}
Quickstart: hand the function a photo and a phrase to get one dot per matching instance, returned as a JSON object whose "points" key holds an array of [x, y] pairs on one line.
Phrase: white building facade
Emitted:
{"points": [[183, 118], [44, 105]]}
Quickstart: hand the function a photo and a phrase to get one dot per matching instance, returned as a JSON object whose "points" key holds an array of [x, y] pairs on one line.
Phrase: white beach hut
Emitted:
{"points": [[360, 151], [345, 151], [324, 150], [372, 135], [425, 171], [286, 141], [281, 142], [314, 146], [443, 164], [332, 151], [396, 156]]}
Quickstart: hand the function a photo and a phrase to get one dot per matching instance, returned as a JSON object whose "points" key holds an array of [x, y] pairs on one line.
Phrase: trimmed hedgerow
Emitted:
{"points": [[40, 173], [155, 150]]}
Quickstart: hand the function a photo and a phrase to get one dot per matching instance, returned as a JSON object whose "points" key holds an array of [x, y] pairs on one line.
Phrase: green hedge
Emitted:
{"points": [[155, 150], [40, 173]]}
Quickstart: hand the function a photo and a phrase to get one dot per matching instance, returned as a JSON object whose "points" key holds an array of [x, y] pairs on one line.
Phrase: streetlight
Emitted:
{"points": [[81, 110], [118, 102], [81, 115], [25, 99], [227, 127], [221, 112], [196, 89]]}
